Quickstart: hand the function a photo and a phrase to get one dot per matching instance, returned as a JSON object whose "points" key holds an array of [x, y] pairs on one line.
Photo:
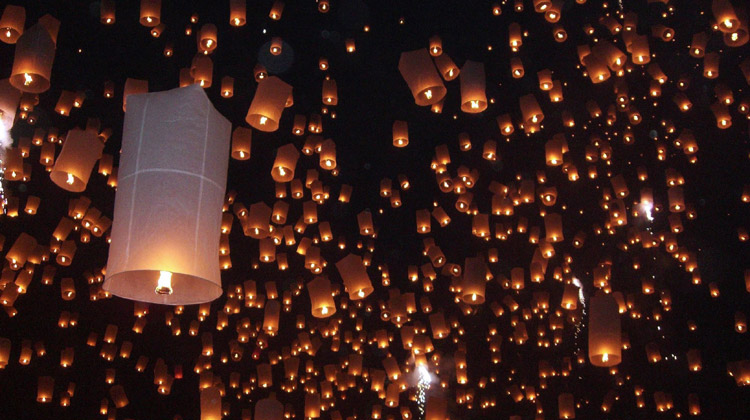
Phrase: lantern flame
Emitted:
{"points": [[164, 284], [71, 179], [263, 120], [27, 79]]}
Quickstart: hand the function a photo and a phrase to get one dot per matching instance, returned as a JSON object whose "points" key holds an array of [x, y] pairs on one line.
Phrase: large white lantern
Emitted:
{"points": [[168, 207]]}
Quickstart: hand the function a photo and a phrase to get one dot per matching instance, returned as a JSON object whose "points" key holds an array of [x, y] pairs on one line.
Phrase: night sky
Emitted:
{"points": [[372, 94]]}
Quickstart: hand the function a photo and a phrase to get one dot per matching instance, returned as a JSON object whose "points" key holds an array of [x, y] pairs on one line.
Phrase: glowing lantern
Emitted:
{"points": [[268, 103], [150, 13], [9, 100], [284, 164], [170, 255], [447, 68], [473, 97], [32, 64], [45, 386], [532, 112], [11, 23], [355, 277], [133, 86], [241, 143], [605, 348], [210, 403], [330, 92], [321, 298], [79, 153], [400, 134], [419, 73]]}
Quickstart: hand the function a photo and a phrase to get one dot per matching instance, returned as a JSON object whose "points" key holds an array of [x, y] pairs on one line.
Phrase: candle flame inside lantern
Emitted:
{"points": [[164, 284]]}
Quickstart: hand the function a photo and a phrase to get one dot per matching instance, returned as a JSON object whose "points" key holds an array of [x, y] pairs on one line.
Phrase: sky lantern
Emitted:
{"points": [[355, 277], [171, 255], [268, 103], [150, 13], [473, 96], [11, 23], [73, 166], [32, 64], [418, 71]]}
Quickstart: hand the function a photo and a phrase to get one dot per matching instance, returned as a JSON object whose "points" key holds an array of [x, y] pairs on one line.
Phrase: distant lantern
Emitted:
{"points": [[107, 12], [436, 46], [532, 112], [269, 409], [227, 87], [32, 64], [418, 71], [285, 162], [202, 70], [9, 100], [210, 403], [474, 283], [172, 177], [11, 23], [726, 18], [45, 388], [321, 299], [447, 68], [605, 348], [276, 46], [354, 275], [79, 153], [268, 104], [276, 9], [330, 92], [150, 13], [241, 143], [400, 133], [566, 406], [328, 155], [237, 12], [473, 96]]}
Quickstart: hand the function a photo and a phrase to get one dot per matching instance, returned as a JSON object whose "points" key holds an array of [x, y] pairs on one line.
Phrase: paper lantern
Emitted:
{"points": [[284, 164], [353, 273], [9, 100], [237, 12], [210, 403], [268, 104], [79, 153], [447, 68], [321, 299], [473, 96], [330, 92], [605, 348], [11, 23], [473, 284], [566, 406], [150, 13], [172, 181], [45, 386], [532, 112], [107, 12], [400, 134], [419, 73], [202, 71], [241, 143], [327, 155], [32, 64]]}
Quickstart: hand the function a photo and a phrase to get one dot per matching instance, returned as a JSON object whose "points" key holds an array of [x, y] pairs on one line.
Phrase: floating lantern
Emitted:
{"points": [[32, 64], [268, 103], [73, 167], [473, 97], [170, 255], [419, 73]]}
